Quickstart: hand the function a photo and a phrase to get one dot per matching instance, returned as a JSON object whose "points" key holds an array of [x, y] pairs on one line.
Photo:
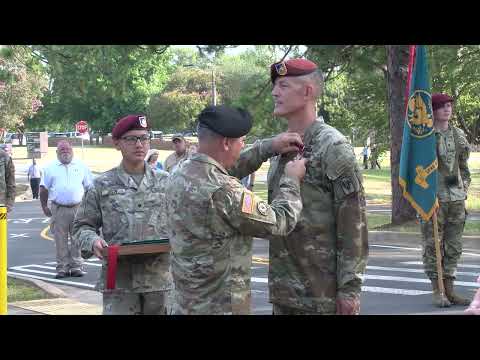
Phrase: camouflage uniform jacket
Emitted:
{"points": [[173, 159], [326, 254], [212, 219], [447, 149], [7, 180], [126, 212]]}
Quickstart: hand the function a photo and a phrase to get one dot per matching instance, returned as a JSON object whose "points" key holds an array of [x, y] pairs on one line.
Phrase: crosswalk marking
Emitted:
{"points": [[419, 271], [20, 268], [90, 286], [383, 290], [470, 266], [415, 248], [85, 263], [41, 272], [416, 280]]}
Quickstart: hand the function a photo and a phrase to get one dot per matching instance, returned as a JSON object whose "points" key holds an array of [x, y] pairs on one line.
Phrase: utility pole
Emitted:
{"points": [[214, 89]]}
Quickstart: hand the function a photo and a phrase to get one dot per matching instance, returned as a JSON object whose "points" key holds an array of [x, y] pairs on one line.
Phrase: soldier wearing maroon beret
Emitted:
{"points": [[453, 181], [318, 267], [127, 204]]}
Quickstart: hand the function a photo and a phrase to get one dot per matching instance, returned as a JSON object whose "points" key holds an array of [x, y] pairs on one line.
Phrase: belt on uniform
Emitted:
{"points": [[67, 206]]}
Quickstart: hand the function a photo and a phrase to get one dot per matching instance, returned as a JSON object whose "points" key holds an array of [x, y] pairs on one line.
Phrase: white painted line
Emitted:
{"points": [[470, 266], [415, 280], [28, 219], [383, 290], [19, 268], [85, 263], [36, 266], [470, 254], [416, 249], [419, 271], [22, 221], [90, 286], [91, 264], [375, 289], [24, 235], [396, 247]]}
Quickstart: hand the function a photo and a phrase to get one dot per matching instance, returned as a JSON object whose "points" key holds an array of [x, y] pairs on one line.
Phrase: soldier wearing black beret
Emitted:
{"points": [[212, 217]]}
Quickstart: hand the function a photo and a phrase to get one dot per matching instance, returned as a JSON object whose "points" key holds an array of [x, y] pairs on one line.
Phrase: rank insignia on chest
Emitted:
{"points": [[247, 202]]}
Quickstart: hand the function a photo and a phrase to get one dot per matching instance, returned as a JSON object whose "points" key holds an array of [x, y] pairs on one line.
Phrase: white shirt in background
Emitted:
{"points": [[66, 184], [33, 171]]}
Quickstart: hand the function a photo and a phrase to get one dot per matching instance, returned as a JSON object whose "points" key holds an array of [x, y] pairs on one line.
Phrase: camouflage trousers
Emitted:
{"points": [[451, 222], [147, 303], [68, 251], [287, 310]]}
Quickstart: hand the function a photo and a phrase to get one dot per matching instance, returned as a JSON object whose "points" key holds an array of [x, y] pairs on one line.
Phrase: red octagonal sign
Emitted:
{"points": [[81, 127]]}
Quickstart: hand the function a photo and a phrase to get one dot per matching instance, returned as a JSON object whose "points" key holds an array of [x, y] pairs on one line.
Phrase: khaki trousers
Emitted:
{"points": [[68, 251]]}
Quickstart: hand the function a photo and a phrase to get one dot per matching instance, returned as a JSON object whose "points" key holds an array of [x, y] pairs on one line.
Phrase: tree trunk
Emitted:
{"points": [[397, 65]]}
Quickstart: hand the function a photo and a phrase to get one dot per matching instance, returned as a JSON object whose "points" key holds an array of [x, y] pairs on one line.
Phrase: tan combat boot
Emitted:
{"points": [[454, 298], [438, 300]]}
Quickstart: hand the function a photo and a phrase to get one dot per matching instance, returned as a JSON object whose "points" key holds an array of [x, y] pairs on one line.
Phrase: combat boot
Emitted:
{"points": [[438, 300], [454, 298]]}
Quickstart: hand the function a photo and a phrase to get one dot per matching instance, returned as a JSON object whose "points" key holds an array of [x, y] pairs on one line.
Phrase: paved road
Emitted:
{"points": [[394, 281]]}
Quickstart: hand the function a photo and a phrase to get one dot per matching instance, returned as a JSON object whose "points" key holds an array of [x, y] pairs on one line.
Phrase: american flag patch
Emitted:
{"points": [[247, 202]]}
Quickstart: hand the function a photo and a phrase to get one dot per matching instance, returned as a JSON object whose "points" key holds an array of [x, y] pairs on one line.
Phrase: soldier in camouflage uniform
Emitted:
{"points": [[127, 204], [212, 217], [317, 268], [7, 181], [453, 182]]}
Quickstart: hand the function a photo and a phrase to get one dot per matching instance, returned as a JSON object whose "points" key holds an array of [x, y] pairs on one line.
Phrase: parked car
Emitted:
{"points": [[7, 148], [157, 134]]}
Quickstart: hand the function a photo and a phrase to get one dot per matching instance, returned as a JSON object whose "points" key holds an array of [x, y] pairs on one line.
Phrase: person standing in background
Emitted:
{"points": [[34, 176]]}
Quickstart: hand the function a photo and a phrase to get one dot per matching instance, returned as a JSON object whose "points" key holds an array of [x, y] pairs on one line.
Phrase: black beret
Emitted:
{"points": [[226, 121], [129, 122]]}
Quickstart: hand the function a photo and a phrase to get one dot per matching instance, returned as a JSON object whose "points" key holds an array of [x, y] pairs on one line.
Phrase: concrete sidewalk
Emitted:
{"points": [[63, 300]]}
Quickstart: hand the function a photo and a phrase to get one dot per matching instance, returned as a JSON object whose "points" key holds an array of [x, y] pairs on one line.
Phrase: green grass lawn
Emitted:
{"points": [[377, 182], [20, 290], [378, 221]]}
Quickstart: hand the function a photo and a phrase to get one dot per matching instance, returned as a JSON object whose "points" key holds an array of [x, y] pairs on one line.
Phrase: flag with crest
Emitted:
{"points": [[418, 158]]}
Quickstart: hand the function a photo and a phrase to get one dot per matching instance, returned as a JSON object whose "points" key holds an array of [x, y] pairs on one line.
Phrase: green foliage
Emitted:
{"points": [[455, 69], [23, 82], [99, 84]]}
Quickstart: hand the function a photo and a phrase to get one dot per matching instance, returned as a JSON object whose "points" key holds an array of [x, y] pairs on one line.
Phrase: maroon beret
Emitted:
{"points": [[130, 122], [292, 67], [438, 100]]}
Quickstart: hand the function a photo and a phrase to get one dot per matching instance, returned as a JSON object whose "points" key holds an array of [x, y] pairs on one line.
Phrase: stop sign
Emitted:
{"points": [[81, 127]]}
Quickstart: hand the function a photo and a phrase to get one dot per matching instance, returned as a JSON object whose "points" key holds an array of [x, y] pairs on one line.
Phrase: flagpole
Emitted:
{"points": [[438, 256]]}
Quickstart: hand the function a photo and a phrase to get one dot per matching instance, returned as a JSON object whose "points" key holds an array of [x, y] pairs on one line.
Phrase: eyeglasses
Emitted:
{"points": [[132, 140]]}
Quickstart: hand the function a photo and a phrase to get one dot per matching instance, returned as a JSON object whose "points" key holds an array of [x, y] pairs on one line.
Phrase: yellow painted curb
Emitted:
{"points": [[44, 235], [59, 306]]}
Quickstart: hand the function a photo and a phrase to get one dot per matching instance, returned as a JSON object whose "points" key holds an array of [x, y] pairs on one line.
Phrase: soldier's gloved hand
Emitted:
{"points": [[296, 169], [47, 211], [98, 245], [348, 306], [9, 208], [287, 142]]}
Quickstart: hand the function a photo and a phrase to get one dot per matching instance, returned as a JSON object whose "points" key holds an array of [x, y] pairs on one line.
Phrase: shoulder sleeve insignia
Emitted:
{"points": [[247, 202], [262, 208]]}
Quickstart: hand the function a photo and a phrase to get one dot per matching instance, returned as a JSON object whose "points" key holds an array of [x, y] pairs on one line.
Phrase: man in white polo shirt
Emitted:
{"points": [[64, 182]]}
